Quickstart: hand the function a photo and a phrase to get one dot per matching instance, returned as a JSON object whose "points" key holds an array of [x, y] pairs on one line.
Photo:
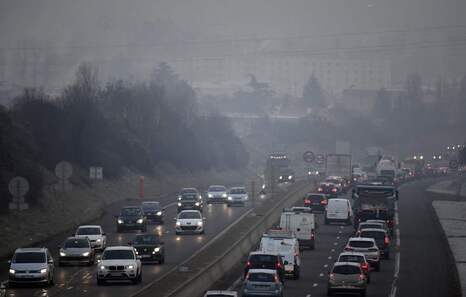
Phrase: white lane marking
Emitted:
{"points": [[396, 273], [315, 285], [333, 250], [326, 266], [339, 232], [335, 243], [341, 227], [329, 257], [308, 295], [338, 237], [321, 275]]}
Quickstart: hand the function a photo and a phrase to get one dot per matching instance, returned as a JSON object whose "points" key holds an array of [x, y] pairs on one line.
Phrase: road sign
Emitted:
{"points": [[64, 170], [308, 157], [453, 164], [64, 186], [18, 206], [320, 159], [18, 186], [96, 173]]}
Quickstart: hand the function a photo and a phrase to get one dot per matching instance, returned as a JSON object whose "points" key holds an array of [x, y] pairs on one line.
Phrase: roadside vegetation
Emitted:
{"points": [[151, 127]]}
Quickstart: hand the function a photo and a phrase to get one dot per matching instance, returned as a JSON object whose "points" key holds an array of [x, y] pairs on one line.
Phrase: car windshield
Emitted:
{"points": [[346, 269], [238, 191], [189, 196], [76, 243], [373, 234], [315, 197], [118, 255], [189, 215], [351, 258], [131, 211], [361, 244], [367, 226], [29, 257], [146, 239], [186, 191], [89, 231], [151, 206], [218, 295], [261, 277], [217, 189]]}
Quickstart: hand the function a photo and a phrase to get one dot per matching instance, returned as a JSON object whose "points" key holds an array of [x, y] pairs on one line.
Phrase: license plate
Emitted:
{"points": [[145, 256], [26, 276], [116, 274], [289, 267]]}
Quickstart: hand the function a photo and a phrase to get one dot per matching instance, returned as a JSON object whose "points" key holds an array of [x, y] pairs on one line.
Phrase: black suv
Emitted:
{"points": [[149, 248], [190, 199], [316, 201], [264, 260], [153, 211], [131, 218]]}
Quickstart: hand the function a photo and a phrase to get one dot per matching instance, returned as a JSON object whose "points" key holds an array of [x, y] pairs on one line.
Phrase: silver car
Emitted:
{"points": [[262, 282], [76, 251], [217, 194], [237, 196], [31, 266], [346, 277], [368, 247]]}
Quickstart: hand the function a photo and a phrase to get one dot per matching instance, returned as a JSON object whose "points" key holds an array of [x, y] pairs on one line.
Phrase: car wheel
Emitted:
{"points": [[100, 282], [162, 260], [363, 293], [177, 233], [377, 267], [387, 255], [296, 272], [329, 292], [51, 281], [202, 232]]}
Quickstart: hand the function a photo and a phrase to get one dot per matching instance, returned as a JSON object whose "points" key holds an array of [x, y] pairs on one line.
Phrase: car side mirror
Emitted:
{"points": [[50, 261], [174, 219], [204, 219], [138, 257]]}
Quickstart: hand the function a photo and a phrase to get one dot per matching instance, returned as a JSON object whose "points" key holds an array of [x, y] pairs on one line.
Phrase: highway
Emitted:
{"points": [[81, 281], [421, 268]]}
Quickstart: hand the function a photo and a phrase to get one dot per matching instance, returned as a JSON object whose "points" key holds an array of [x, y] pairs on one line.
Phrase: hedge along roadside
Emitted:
{"points": [[201, 280]]}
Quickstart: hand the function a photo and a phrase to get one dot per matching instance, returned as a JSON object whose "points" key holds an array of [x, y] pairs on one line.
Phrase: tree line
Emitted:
{"points": [[150, 127]]}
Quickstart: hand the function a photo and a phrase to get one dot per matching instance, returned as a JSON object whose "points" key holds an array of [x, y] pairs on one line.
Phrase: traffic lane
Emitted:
{"points": [[315, 265], [425, 269], [80, 281]]}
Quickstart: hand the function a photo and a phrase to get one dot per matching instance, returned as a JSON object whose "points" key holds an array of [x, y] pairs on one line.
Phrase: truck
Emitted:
{"points": [[300, 221], [387, 168], [339, 165], [278, 169], [374, 202]]}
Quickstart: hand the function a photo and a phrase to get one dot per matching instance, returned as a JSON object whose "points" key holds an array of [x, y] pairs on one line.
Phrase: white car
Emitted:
{"points": [[95, 234], [338, 210], [221, 294], [31, 266], [217, 194], [237, 195], [119, 263], [368, 247], [189, 221]]}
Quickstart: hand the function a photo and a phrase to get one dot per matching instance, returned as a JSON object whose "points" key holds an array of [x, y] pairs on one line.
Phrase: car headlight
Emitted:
{"points": [[159, 213], [99, 240], [156, 250], [224, 195], [290, 176], [86, 254], [12, 271], [140, 221], [179, 204], [179, 198], [120, 221], [210, 195], [43, 270], [230, 198], [62, 254], [102, 267], [281, 177], [200, 223], [178, 223], [200, 197], [130, 267], [197, 203]]}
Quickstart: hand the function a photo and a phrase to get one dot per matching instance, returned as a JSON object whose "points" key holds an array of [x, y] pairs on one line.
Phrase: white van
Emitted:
{"points": [[302, 223], [338, 210], [285, 246]]}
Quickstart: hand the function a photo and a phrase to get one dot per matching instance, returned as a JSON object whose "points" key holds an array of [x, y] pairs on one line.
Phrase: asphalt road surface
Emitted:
{"points": [[81, 281], [419, 263]]}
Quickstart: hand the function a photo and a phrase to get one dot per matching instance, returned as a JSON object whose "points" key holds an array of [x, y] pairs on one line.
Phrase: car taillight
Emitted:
{"points": [[248, 264], [362, 276], [365, 266], [386, 240], [307, 201], [277, 280], [312, 235], [331, 276], [279, 265], [247, 276], [324, 202], [334, 190], [320, 189]]}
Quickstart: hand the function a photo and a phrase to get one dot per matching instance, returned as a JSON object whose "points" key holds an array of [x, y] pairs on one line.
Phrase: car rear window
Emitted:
{"points": [[346, 269], [315, 198], [261, 277], [361, 244], [256, 259], [370, 226], [29, 257], [351, 258], [238, 191], [373, 234]]}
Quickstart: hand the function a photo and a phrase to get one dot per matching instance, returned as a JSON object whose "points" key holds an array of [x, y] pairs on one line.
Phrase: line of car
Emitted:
{"points": [[120, 263]]}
